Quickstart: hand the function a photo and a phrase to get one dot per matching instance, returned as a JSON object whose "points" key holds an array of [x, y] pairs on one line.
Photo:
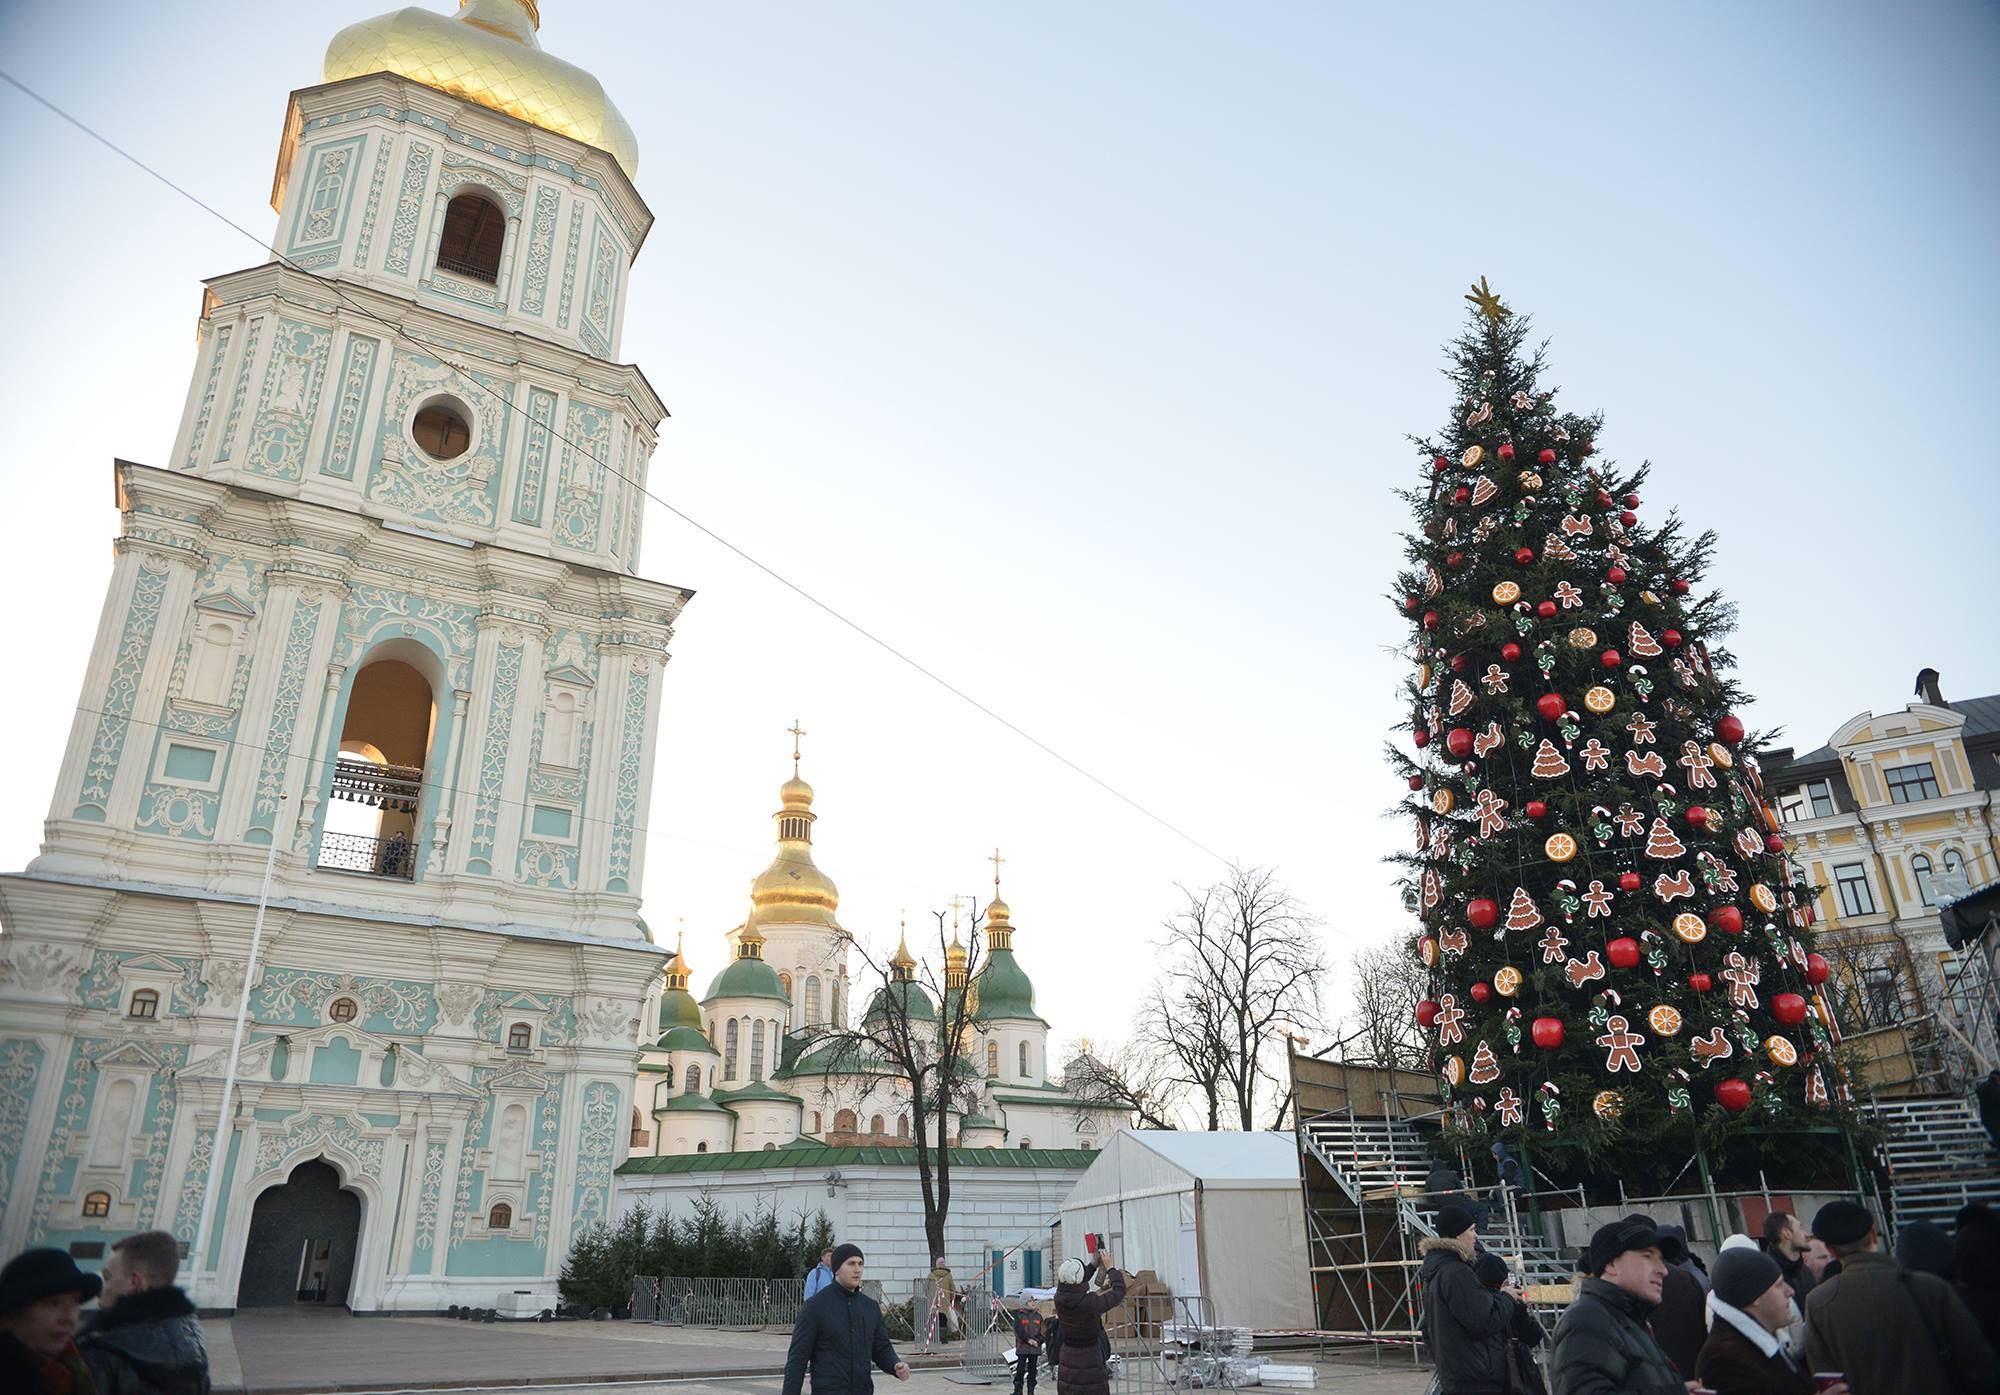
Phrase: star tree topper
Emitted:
{"points": [[1488, 304]]}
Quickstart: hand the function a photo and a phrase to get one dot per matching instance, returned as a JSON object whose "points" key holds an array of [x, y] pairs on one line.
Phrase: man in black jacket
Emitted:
{"points": [[145, 1338], [1464, 1322], [840, 1335], [1603, 1346]]}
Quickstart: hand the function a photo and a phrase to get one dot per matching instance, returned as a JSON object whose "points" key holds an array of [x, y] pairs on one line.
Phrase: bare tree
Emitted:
{"points": [[1389, 982], [1130, 1076], [1242, 971], [914, 1034]]}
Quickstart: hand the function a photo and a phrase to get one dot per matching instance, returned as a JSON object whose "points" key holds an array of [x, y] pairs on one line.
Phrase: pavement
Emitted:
{"points": [[295, 1351]]}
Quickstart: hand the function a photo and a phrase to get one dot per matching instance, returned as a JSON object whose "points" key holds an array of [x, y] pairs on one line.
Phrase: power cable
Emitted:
{"points": [[430, 350]]}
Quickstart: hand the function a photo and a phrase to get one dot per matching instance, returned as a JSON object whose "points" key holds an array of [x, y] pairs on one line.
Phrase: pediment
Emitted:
{"points": [[132, 1053], [572, 675], [226, 603], [151, 964], [519, 1077], [521, 1002]]}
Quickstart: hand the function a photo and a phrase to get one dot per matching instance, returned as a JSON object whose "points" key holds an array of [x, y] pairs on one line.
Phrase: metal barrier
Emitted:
{"points": [[739, 1305], [1157, 1343]]}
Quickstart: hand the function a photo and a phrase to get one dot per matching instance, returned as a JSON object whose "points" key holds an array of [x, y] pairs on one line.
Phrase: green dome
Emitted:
{"points": [[1004, 990], [917, 1003], [684, 1038], [747, 978], [690, 1104], [679, 1009]]}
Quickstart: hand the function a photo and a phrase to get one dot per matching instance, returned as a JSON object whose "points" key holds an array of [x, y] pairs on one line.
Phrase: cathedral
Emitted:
{"points": [[366, 740], [771, 1058]]}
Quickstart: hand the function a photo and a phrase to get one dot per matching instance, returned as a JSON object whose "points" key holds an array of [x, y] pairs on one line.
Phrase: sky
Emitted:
{"points": [[1073, 349]]}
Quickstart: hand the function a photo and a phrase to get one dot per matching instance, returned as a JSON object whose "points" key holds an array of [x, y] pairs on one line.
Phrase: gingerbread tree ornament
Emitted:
{"points": [[1596, 788]]}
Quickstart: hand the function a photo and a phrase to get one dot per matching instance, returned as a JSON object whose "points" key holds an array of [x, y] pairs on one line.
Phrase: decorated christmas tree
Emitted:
{"points": [[1618, 949]]}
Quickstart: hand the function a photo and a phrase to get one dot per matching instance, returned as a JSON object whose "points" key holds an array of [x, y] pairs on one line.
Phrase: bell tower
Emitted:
{"points": [[374, 623]]}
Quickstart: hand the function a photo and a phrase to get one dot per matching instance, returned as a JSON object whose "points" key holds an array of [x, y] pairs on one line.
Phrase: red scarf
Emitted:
{"points": [[65, 1373]]}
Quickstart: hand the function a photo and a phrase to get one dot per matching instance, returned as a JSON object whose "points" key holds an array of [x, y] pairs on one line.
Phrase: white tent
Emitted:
{"points": [[1216, 1215]]}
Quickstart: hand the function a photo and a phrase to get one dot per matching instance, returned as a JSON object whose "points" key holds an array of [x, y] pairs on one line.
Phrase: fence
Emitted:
{"points": [[736, 1305], [1157, 1343]]}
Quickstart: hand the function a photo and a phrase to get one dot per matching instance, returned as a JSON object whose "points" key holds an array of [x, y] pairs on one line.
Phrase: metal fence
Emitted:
{"points": [[736, 1305], [1157, 1343]]}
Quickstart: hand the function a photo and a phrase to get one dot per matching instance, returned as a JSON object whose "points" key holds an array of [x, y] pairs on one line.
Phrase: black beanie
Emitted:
{"points": [[843, 1253], [1454, 1220], [1741, 1276], [1489, 1268], [1842, 1223]]}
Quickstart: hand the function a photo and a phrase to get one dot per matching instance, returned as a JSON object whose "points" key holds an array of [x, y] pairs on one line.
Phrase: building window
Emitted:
{"points": [[96, 1205], [1920, 871], [1850, 879], [845, 1121], [1909, 783], [441, 431], [701, 1147], [902, 1126], [993, 1059], [812, 1000], [341, 1010], [1820, 795], [1026, 1144], [475, 229], [815, 1121], [145, 1003], [693, 1085], [1023, 1053], [877, 1127], [520, 1037], [501, 1217], [756, 1050], [730, 1033]]}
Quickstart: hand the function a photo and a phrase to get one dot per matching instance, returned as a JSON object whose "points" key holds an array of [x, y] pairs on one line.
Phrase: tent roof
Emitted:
{"points": [[1226, 1157]]}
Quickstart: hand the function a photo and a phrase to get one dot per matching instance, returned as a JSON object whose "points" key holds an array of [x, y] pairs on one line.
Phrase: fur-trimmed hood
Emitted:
{"points": [[1439, 1244]]}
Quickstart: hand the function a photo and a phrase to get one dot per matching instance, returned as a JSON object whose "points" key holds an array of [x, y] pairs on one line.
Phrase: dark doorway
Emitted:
{"points": [[302, 1240]]}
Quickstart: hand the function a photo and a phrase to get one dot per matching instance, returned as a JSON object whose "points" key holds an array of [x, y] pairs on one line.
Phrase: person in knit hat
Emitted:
{"points": [[840, 1336], [1464, 1323], [1886, 1329], [1747, 1351], [1975, 1266], [41, 1295]]}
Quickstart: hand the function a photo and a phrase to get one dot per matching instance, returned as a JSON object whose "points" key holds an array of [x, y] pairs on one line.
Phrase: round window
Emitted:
{"points": [[341, 1010], [441, 431]]}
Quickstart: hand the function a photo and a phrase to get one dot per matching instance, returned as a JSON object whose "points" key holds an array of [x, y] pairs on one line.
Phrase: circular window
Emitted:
{"points": [[441, 431], [341, 1010]]}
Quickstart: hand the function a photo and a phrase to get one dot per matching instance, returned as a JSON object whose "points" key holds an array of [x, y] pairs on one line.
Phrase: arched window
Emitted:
{"points": [[701, 1147], [145, 1003], [1024, 1060], [812, 1000], [1954, 863], [1026, 1144], [770, 1147], [815, 1121], [501, 1217], [845, 1121], [693, 1085], [1920, 870], [475, 229], [876, 1126], [902, 1126], [993, 1059], [520, 1037], [730, 1033], [341, 1010], [756, 1050], [96, 1205], [442, 431]]}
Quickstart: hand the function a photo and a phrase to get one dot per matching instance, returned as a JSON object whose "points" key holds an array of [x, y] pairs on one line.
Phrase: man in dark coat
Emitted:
{"points": [[1464, 1322], [1602, 1344], [1887, 1330], [1679, 1323], [1083, 1365], [840, 1335], [1975, 1266], [1786, 1241], [1988, 1094], [1524, 1333], [1746, 1351], [145, 1338], [41, 1293]]}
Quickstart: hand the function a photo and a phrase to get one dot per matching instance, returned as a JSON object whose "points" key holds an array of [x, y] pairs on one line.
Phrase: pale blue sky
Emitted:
{"points": [[1072, 347]]}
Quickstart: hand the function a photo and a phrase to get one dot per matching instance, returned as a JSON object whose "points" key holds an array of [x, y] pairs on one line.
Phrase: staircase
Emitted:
{"points": [[1938, 1158], [1386, 1161]]}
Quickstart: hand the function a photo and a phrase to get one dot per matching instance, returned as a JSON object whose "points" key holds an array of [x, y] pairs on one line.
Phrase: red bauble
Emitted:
{"points": [[1440, 464], [1416, 782], [1733, 1095], [1628, 518], [1430, 619], [1510, 651], [1537, 809], [1774, 842], [1482, 992], [1459, 741], [1727, 919], [1551, 705], [1615, 575], [1789, 1008], [1454, 559], [1410, 603], [1546, 609], [1507, 451], [1458, 663], [1461, 495], [1631, 501], [1817, 969], [1547, 1032], [1611, 658], [1604, 500], [1421, 736], [1700, 983], [1524, 556], [1622, 952], [1729, 727], [1546, 456], [1427, 1013], [1482, 912], [1671, 638], [1629, 881], [1697, 816], [1678, 586]]}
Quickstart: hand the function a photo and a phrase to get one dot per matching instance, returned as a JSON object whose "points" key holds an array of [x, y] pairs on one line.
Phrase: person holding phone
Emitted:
{"points": [[1083, 1365]]}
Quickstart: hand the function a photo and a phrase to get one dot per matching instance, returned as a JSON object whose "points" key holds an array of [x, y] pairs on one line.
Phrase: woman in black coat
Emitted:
{"points": [[1083, 1364]]}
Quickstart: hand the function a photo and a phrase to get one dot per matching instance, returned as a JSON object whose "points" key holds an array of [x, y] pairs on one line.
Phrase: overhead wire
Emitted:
{"points": [[335, 287]]}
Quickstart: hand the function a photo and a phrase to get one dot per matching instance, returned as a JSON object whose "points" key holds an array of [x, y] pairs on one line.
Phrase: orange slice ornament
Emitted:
{"points": [[1506, 593], [1444, 801], [1560, 847], [1600, 699], [1690, 928], [1781, 1051], [1507, 981], [1665, 1020], [1763, 898], [1608, 1104]]}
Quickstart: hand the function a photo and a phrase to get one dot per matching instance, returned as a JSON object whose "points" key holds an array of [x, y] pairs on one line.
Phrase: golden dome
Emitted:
{"points": [[792, 890], [902, 961], [954, 954], [487, 53]]}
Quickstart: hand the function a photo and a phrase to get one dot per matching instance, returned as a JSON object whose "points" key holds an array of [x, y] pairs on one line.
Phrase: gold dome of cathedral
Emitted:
{"points": [[487, 53]]}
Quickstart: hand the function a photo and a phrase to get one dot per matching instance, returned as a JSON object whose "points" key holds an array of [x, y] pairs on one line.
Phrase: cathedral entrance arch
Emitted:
{"points": [[303, 1234]]}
